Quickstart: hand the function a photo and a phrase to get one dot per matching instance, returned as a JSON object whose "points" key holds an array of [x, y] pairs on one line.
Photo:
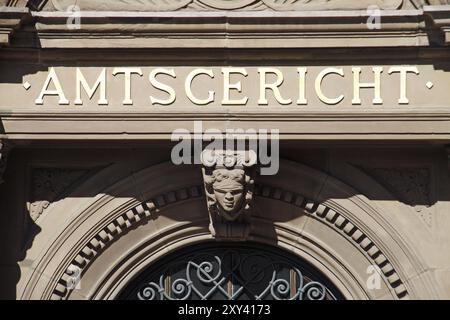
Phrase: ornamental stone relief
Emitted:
{"points": [[277, 5], [410, 185], [51, 184], [229, 179]]}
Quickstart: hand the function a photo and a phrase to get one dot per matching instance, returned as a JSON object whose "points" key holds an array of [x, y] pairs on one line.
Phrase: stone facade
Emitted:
{"points": [[90, 100]]}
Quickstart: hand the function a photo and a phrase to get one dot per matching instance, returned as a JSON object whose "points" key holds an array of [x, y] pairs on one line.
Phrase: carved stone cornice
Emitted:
{"points": [[232, 29], [230, 24], [11, 19], [172, 5], [392, 125], [441, 20]]}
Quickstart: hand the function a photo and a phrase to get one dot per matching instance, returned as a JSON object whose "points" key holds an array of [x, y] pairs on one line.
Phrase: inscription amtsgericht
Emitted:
{"points": [[228, 86]]}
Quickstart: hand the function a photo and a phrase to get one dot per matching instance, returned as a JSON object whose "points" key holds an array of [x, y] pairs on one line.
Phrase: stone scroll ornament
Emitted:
{"points": [[277, 5], [229, 180]]}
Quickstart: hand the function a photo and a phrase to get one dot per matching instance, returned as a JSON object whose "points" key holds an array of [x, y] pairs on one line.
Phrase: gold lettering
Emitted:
{"points": [[188, 88], [100, 82], [403, 73], [127, 72], [263, 86], [52, 77], [302, 86], [161, 86], [357, 85], [227, 87], [318, 85]]}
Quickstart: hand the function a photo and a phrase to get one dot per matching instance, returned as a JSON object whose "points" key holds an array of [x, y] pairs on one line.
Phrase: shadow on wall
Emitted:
{"points": [[411, 185]]}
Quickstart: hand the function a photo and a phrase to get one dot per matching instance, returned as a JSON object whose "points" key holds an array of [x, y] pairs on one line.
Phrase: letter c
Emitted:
{"points": [[318, 85]]}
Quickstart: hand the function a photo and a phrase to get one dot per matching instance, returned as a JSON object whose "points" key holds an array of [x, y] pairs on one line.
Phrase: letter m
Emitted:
{"points": [[100, 82]]}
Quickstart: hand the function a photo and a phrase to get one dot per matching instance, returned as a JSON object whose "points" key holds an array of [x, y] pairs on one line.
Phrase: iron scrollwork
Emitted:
{"points": [[234, 274]]}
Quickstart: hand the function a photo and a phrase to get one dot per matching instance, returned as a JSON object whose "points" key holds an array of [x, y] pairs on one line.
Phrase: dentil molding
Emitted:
{"points": [[151, 208]]}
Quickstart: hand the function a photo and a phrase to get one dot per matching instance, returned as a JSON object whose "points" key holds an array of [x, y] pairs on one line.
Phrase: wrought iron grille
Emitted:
{"points": [[231, 272]]}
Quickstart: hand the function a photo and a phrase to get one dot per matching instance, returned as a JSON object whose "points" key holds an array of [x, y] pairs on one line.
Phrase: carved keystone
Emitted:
{"points": [[229, 179]]}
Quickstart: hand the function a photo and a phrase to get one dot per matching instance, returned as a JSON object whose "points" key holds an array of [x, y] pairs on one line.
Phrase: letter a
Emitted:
{"points": [[52, 77]]}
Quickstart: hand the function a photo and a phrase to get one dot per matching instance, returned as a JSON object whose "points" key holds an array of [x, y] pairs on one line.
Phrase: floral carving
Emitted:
{"points": [[410, 185], [49, 184]]}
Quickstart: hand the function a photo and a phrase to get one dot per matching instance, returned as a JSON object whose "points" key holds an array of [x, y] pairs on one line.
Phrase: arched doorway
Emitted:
{"points": [[112, 239], [231, 271]]}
